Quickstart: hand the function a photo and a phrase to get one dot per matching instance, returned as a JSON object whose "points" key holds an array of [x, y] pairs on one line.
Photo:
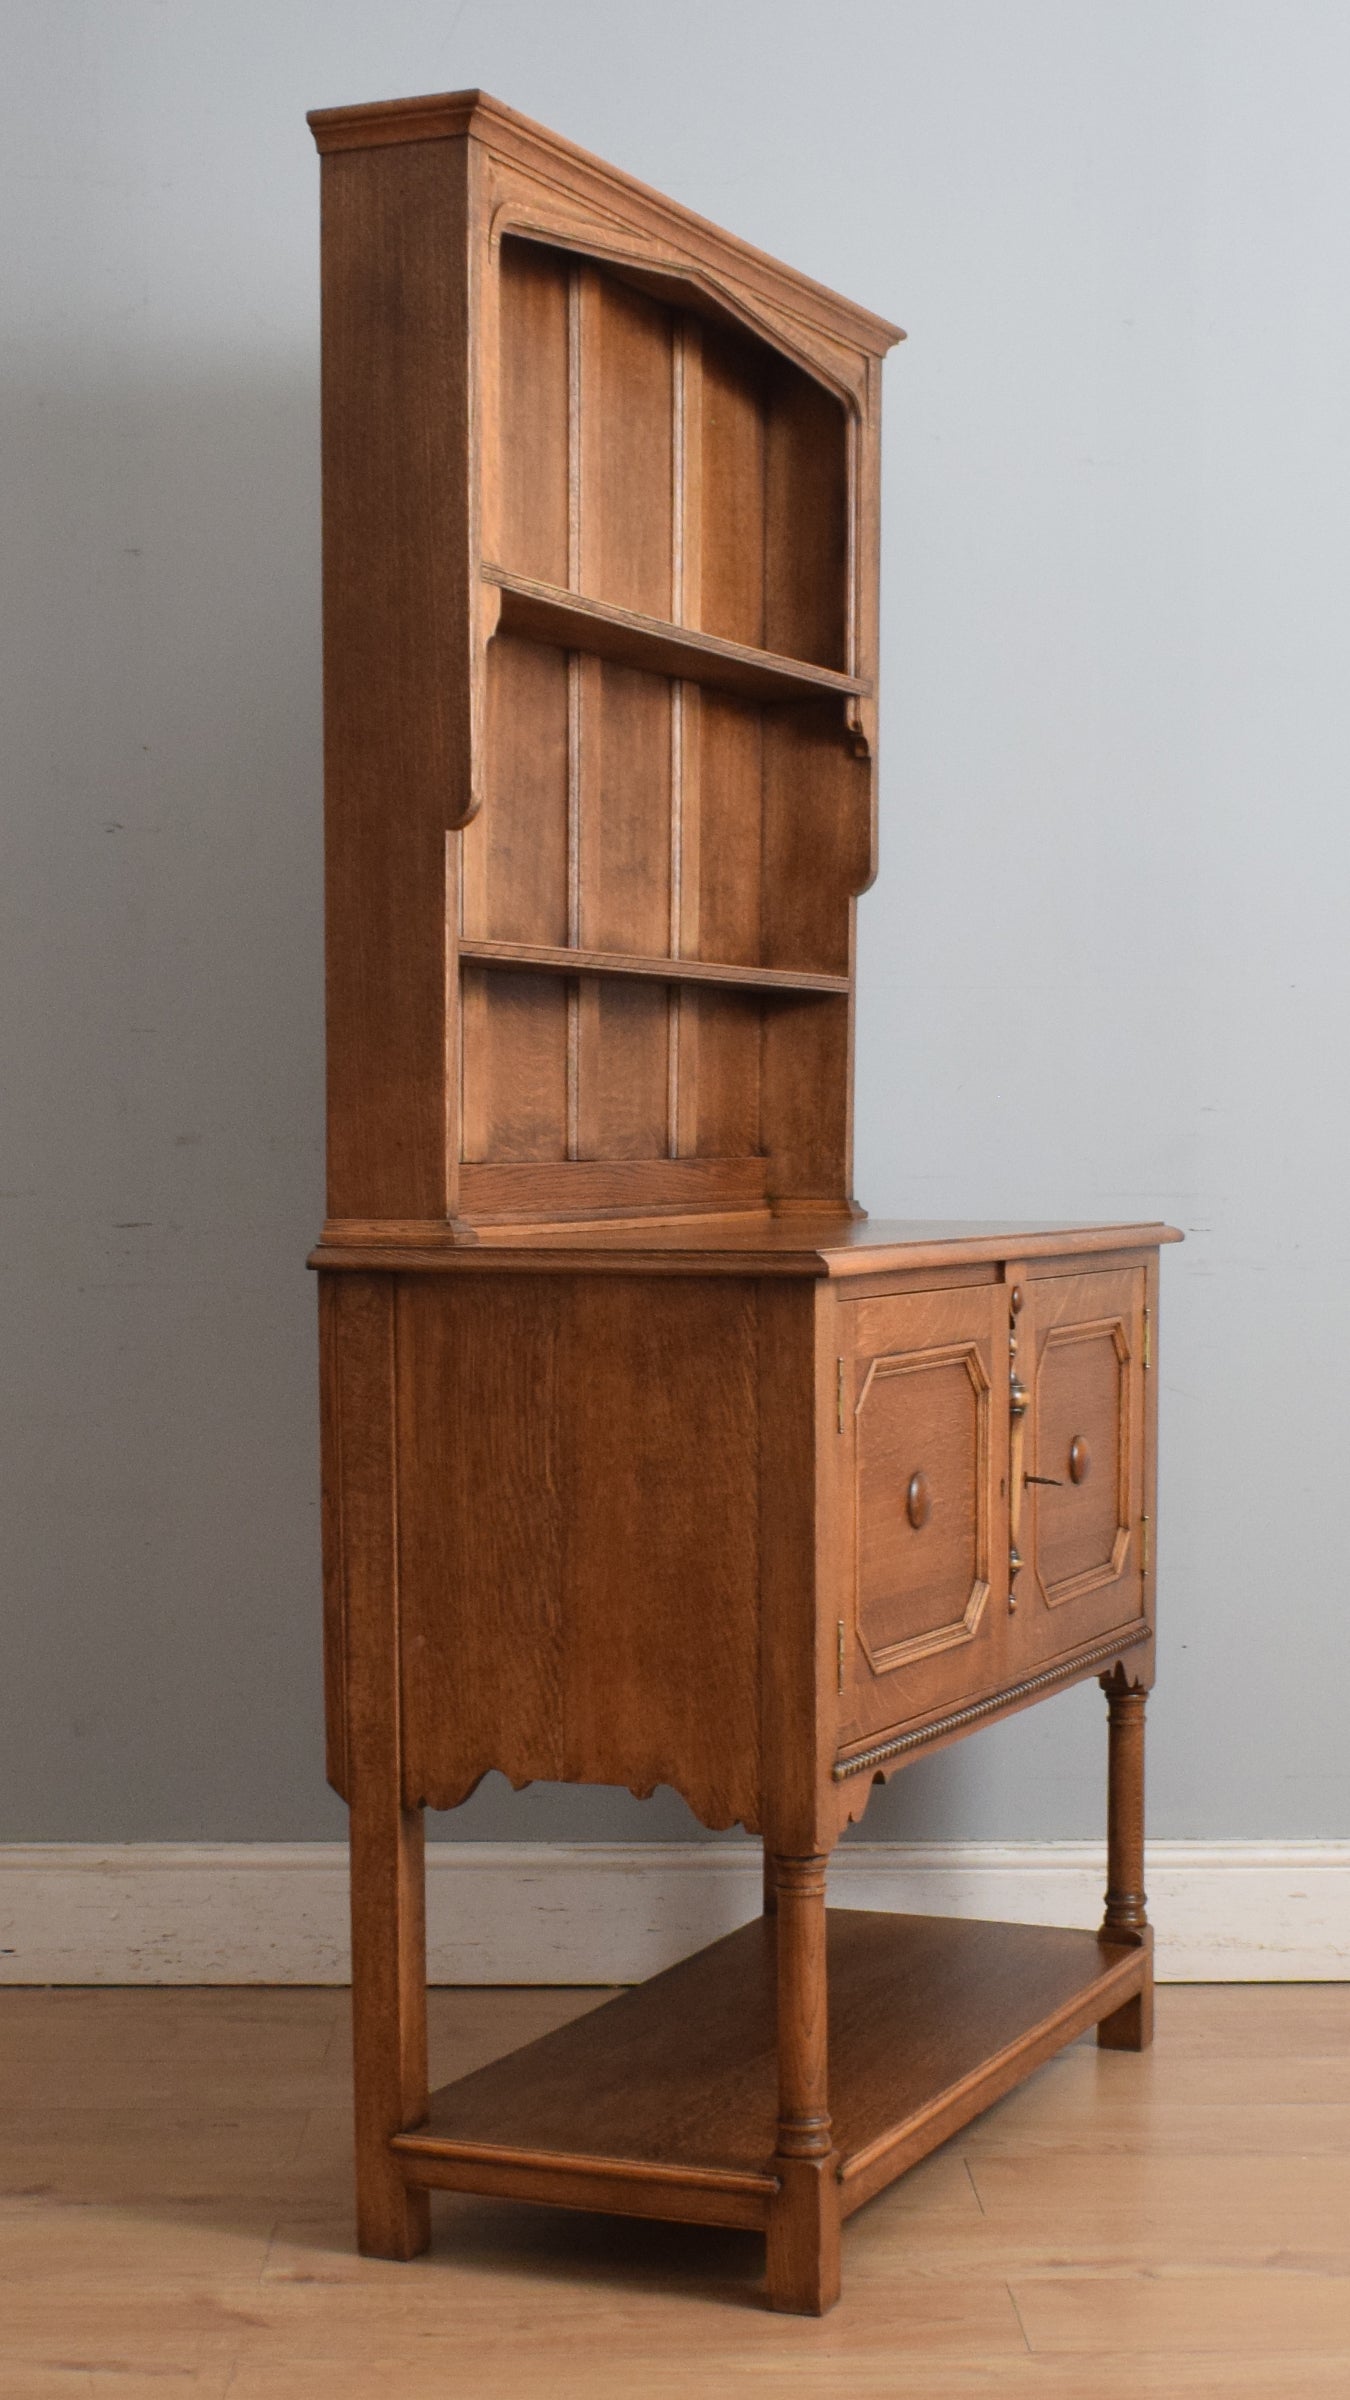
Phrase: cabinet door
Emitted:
{"points": [[1081, 1468], [923, 1420]]}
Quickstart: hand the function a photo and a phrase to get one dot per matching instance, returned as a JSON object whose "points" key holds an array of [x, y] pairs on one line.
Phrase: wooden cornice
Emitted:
{"points": [[440, 116]]}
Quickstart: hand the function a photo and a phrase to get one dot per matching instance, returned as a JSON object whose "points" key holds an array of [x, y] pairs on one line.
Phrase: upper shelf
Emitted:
{"points": [[542, 612], [569, 960]]}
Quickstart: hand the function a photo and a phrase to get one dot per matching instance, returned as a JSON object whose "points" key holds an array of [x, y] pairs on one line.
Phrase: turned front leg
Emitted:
{"points": [[1126, 1918], [803, 2232]]}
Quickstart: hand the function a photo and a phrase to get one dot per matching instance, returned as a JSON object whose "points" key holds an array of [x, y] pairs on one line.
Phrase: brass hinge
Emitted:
{"points": [[1148, 1341], [839, 1412], [1143, 1544], [841, 1653]]}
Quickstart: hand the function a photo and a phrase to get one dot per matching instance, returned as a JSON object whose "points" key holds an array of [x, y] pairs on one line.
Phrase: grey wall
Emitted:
{"points": [[1104, 970]]}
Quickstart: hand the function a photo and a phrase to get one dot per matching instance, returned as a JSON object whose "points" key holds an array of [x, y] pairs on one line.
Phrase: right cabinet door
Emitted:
{"points": [[1079, 1529]]}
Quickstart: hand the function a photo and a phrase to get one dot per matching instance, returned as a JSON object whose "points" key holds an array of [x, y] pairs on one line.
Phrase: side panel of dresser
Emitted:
{"points": [[576, 1495]]}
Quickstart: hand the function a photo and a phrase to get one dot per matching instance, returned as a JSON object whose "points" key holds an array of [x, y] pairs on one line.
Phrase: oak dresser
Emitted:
{"points": [[648, 1457]]}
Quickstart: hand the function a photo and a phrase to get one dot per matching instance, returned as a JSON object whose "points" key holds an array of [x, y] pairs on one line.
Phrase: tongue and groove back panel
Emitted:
{"points": [[669, 466]]}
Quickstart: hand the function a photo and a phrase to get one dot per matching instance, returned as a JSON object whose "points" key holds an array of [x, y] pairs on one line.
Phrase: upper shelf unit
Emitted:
{"points": [[600, 641]]}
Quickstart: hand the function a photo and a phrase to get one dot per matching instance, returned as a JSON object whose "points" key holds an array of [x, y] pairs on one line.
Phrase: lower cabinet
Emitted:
{"points": [[991, 1488]]}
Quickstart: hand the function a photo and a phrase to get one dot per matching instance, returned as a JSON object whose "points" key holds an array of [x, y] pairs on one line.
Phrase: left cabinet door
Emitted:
{"points": [[923, 1422]]}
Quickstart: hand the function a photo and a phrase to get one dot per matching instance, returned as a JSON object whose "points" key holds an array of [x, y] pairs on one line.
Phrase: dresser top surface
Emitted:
{"points": [[811, 1245]]}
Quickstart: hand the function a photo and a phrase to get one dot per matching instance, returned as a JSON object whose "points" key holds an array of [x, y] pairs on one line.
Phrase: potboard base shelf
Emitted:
{"points": [[663, 2101]]}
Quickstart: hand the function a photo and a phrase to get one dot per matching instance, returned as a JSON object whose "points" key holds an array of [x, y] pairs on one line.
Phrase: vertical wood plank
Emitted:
{"points": [[515, 1065], [686, 779], [687, 933], [397, 683], [731, 768], [677, 691], [795, 1681], [625, 904], [387, 1882], [732, 428], [662, 1655], [628, 1080], [334, 1584], [533, 434], [516, 851], [482, 1529], [806, 543], [628, 468], [723, 1114]]}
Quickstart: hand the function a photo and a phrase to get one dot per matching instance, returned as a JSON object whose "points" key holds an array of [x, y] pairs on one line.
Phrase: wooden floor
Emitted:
{"points": [[175, 2219]]}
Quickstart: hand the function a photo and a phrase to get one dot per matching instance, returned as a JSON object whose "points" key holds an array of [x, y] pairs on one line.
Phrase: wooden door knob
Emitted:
{"points": [[1080, 1459], [918, 1503]]}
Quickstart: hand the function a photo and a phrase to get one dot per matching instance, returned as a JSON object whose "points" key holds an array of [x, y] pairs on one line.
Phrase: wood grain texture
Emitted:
{"points": [[482, 1532], [515, 1075], [387, 1882], [796, 1694], [592, 1189], [1081, 1345], [628, 491], [334, 1573], [873, 1255], [925, 1609], [635, 638], [806, 566], [397, 703], [579, 1528], [515, 853], [566, 959], [688, 2075], [533, 402], [731, 420]]}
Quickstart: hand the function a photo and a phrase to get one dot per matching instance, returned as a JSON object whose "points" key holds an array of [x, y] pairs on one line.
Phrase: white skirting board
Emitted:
{"points": [[498, 1912]]}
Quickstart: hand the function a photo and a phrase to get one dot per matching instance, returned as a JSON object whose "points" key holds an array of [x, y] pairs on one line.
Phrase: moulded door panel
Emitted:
{"points": [[924, 1418], [1081, 1348]]}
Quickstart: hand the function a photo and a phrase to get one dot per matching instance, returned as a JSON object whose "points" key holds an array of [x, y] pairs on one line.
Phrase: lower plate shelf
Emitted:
{"points": [[663, 2101]]}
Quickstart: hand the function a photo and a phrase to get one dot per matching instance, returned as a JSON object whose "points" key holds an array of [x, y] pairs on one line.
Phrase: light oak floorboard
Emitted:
{"points": [[1184, 2312], [175, 2219]]}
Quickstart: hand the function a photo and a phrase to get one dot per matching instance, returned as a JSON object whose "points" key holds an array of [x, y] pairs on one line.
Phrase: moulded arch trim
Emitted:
{"points": [[656, 266]]}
